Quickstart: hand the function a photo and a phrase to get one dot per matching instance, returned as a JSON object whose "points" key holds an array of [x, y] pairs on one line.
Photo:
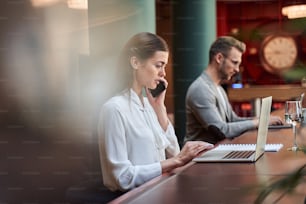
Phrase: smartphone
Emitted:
{"points": [[160, 88]]}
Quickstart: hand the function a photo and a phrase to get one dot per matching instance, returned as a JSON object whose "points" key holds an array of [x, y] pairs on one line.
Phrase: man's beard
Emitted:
{"points": [[222, 73]]}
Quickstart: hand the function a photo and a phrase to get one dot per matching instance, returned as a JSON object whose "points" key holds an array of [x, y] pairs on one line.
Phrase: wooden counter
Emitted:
{"points": [[278, 92], [225, 182]]}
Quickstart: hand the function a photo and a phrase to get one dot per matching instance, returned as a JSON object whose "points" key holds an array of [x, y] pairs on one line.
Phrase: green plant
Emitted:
{"points": [[284, 185]]}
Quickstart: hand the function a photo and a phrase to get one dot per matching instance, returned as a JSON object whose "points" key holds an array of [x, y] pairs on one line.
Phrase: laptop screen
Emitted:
{"points": [[263, 126]]}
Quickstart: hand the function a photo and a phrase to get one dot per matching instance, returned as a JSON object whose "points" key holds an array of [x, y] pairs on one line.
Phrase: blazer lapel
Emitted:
{"points": [[227, 107], [222, 109]]}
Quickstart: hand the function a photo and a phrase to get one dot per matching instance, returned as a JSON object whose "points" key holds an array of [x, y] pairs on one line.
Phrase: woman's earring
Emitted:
{"points": [[134, 63]]}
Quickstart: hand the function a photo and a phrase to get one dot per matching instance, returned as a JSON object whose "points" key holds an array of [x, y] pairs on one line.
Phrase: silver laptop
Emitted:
{"points": [[215, 155]]}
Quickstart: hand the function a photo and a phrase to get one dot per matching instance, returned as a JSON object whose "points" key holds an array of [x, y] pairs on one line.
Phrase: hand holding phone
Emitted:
{"points": [[159, 89]]}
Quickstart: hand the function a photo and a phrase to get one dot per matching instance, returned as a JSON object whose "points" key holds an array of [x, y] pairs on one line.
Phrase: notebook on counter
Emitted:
{"points": [[283, 126], [247, 147], [247, 154]]}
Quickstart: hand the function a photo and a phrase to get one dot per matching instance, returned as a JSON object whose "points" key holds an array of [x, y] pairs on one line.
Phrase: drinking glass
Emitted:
{"points": [[293, 115]]}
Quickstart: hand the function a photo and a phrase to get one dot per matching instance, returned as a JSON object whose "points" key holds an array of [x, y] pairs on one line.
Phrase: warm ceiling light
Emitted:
{"points": [[295, 11], [43, 3], [77, 4]]}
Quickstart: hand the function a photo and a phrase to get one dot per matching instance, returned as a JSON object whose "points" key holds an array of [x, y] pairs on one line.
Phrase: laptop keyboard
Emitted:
{"points": [[238, 154]]}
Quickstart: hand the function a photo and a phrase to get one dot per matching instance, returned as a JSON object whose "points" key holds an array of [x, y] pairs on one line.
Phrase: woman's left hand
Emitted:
{"points": [[158, 104], [159, 99]]}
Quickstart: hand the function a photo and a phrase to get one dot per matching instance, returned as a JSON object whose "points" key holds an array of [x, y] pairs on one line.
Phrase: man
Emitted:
{"points": [[209, 114]]}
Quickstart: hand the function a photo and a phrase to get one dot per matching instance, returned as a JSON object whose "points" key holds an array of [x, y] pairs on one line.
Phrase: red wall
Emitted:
{"points": [[253, 22]]}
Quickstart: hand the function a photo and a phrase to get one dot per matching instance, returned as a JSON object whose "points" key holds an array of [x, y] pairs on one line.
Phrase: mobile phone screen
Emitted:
{"points": [[160, 88]]}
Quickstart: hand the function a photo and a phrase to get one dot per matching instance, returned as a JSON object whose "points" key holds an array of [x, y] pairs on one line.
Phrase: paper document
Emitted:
{"points": [[246, 147]]}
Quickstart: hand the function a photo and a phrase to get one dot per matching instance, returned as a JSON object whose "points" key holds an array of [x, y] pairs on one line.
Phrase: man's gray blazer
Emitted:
{"points": [[204, 109]]}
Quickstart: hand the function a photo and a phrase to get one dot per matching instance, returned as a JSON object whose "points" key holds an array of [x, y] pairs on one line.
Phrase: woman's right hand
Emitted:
{"points": [[190, 150]]}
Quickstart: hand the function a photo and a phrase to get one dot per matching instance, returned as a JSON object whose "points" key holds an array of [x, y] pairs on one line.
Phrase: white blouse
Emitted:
{"points": [[132, 142]]}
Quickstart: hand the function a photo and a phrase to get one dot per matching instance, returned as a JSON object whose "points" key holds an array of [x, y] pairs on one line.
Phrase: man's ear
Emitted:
{"points": [[134, 62], [219, 58]]}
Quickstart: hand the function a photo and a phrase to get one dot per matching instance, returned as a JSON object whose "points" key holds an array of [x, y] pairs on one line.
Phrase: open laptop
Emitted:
{"points": [[215, 155]]}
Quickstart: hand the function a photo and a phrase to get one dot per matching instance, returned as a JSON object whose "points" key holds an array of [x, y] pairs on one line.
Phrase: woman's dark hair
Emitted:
{"points": [[143, 46]]}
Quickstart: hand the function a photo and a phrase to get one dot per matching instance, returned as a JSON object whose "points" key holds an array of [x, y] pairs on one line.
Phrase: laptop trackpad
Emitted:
{"points": [[215, 154]]}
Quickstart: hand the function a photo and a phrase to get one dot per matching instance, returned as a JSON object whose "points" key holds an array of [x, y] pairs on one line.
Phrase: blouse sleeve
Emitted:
{"points": [[169, 143], [173, 149], [118, 172]]}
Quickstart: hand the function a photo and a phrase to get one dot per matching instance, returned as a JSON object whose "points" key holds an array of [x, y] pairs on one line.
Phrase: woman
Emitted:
{"points": [[137, 141]]}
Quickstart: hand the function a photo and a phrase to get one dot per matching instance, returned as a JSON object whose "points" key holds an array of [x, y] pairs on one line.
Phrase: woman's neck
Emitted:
{"points": [[138, 90]]}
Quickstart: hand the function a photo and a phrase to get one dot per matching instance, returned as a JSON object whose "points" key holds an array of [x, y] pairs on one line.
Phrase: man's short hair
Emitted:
{"points": [[223, 45]]}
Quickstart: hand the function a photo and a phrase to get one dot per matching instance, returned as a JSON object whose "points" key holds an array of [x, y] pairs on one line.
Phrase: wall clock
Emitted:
{"points": [[278, 53]]}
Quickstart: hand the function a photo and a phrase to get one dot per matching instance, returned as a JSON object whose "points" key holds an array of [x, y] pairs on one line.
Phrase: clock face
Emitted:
{"points": [[278, 53]]}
